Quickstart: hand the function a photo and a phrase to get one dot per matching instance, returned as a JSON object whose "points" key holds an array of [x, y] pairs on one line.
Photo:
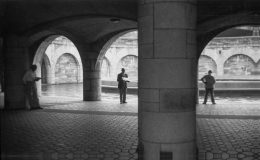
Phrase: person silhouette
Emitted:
{"points": [[31, 97], [122, 85], [209, 82]]}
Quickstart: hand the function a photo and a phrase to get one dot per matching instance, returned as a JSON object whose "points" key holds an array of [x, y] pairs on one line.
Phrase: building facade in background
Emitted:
{"points": [[236, 57]]}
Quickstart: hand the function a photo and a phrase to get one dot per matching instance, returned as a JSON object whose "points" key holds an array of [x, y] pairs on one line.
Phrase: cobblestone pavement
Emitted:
{"points": [[228, 139], [53, 135], [78, 130]]}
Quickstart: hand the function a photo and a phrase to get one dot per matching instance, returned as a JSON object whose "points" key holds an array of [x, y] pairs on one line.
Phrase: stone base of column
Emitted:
{"points": [[92, 96], [92, 87]]}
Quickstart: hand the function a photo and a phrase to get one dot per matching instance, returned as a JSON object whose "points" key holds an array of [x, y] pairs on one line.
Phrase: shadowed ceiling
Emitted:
{"points": [[90, 20]]}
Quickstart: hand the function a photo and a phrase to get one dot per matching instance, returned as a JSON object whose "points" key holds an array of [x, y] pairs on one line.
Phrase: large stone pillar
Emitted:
{"points": [[91, 81], [16, 63], [91, 74], [167, 79]]}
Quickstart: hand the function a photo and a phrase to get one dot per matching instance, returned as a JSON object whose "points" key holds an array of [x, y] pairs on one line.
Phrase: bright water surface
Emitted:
{"points": [[76, 91]]}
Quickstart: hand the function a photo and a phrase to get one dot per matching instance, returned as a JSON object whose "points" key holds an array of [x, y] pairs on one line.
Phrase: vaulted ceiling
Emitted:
{"points": [[91, 19]]}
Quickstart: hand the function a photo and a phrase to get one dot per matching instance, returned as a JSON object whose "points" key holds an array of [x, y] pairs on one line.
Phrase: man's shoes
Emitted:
{"points": [[213, 103], [121, 102], [203, 103], [125, 102]]}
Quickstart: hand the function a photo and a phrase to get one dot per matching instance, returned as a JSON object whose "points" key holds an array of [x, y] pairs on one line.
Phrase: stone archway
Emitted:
{"points": [[39, 56], [210, 29], [42, 57], [239, 65], [67, 69], [119, 46]]}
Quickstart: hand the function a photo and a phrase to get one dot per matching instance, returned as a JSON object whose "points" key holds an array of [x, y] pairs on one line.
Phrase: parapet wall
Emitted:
{"points": [[221, 86]]}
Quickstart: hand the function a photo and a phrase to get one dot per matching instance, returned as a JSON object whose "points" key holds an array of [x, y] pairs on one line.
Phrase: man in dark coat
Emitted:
{"points": [[209, 82], [122, 85]]}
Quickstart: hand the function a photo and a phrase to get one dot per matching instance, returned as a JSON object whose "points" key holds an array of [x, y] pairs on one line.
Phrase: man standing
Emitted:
{"points": [[122, 85], [209, 82], [29, 78]]}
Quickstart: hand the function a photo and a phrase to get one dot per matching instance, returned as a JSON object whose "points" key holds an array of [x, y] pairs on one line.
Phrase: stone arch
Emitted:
{"points": [[130, 63], [66, 69], [210, 29], [109, 49], [206, 63], [42, 40], [110, 41], [239, 65]]}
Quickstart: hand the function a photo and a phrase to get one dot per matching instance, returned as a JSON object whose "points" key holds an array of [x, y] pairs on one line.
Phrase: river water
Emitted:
{"points": [[76, 91]]}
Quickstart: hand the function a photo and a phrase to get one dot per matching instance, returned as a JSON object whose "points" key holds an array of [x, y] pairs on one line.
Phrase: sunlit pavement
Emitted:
{"points": [[68, 128]]}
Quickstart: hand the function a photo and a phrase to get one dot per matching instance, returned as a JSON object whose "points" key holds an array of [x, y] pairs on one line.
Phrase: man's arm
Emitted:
{"points": [[204, 79], [127, 77]]}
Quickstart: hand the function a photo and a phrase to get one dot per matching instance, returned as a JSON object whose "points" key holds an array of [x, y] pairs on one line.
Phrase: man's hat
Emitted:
{"points": [[210, 71]]}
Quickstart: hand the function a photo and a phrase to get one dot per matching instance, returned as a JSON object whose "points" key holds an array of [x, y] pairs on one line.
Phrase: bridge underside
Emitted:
{"points": [[172, 34]]}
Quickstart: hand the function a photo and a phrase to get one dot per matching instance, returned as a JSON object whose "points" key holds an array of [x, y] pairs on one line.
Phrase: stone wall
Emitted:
{"points": [[235, 57], [66, 69], [227, 57]]}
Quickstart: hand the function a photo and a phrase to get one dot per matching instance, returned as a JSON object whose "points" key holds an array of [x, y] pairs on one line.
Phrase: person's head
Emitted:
{"points": [[209, 72], [33, 67], [123, 70]]}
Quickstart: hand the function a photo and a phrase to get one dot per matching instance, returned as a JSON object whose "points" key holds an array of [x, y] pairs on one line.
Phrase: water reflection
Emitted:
{"points": [[76, 90]]}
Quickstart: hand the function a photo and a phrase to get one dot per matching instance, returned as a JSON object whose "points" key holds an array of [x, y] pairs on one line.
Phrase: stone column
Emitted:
{"points": [[91, 73], [91, 81], [167, 79], [16, 63]]}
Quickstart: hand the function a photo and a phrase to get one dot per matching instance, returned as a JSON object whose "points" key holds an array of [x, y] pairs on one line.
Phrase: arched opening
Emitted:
{"points": [[66, 69], [239, 66], [237, 89], [235, 53], [60, 67], [120, 52]]}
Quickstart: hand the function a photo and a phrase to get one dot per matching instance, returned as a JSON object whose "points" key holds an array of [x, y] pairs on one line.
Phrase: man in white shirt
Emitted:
{"points": [[122, 85], [29, 78]]}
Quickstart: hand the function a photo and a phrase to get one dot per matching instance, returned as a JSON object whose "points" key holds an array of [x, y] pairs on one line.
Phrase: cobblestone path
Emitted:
{"points": [[53, 135], [103, 131]]}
